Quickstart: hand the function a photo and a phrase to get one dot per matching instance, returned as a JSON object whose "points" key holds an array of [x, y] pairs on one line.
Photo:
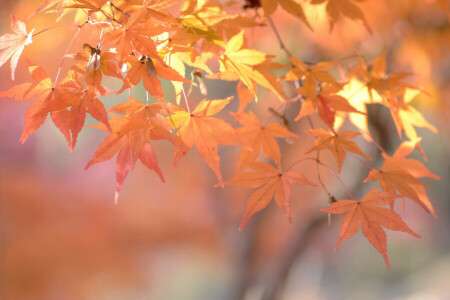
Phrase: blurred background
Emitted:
{"points": [[62, 236]]}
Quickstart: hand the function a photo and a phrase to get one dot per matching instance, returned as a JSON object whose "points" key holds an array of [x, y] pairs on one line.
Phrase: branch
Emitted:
{"points": [[277, 280]]}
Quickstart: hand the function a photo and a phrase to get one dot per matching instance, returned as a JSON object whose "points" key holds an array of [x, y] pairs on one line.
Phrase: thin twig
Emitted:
{"points": [[56, 26], [186, 100], [65, 54], [360, 160], [282, 45]]}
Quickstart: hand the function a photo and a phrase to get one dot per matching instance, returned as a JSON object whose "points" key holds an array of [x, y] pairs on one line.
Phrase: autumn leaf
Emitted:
{"points": [[135, 36], [405, 116], [336, 143], [347, 8], [310, 75], [326, 102], [245, 97], [85, 102], [200, 17], [400, 174], [148, 70], [258, 136], [271, 183], [12, 45], [290, 6], [94, 64], [244, 63], [53, 99], [379, 84], [368, 214], [206, 132], [130, 138]]}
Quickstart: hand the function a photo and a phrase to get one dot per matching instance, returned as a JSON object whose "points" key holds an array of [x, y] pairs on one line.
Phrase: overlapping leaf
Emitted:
{"points": [[347, 8], [205, 131], [290, 6], [130, 138], [336, 143], [400, 174], [326, 102], [148, 70], [244, 63], [258, 136], [53, 99]]}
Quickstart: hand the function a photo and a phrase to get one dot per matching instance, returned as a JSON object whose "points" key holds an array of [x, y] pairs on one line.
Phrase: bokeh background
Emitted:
{"points": [[62, 236]]}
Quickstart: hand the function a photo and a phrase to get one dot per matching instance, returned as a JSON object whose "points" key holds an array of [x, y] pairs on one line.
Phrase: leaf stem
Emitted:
{"points": [[65, 54], [56, 26], [282, 45], [186, 100], [329, 168], [299, 161], [339, 178], [360, 160], [373, 140]]}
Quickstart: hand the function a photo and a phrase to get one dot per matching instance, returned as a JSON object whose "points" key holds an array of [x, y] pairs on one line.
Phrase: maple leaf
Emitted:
{"points": [[258, 136], [85, 102], [310, 75], [205, 131], [200, 17], [378, 82], [94, 64], [357, 94], [245, 97], [12, 45], [244, 63], [336, 143], [368, 214], [324, 101], [405, 116], [336, 8], [290, 6], [130, 138], [400, 174], [51, 98], [271, 183], [135, 36], [147, 69]]}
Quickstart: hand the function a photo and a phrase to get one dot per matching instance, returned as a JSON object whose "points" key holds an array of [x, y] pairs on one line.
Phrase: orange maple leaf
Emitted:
{"points": [[405, 116], [135, 36], [326, 102], [130, 137], [12, 45], [94, 64], [205, 131], [336, 143], [400, 174], [271, 183], [378, 82], [310, 75], [367, 214], [147, 69], [53, 99], [290, 6], [85, 102], [258, 136], [336, 8]]}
